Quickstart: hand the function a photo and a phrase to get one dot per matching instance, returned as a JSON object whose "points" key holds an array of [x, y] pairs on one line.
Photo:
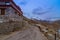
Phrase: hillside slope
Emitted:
{"points": [[31, 33], [24, 31]]}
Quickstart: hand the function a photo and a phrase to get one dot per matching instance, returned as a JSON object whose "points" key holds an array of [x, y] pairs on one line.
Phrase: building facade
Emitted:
{"points": [[4, 4], [9, 9], [10, 16]]}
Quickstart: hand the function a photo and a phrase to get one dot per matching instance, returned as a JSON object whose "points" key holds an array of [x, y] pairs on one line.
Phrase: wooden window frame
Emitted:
{"points": [[2, 11]]}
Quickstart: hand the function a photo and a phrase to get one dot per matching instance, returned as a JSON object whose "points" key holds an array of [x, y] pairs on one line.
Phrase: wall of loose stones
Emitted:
{"points": [[10, 21]]}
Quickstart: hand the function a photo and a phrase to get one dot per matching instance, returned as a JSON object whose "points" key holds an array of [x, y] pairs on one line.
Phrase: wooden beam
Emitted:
{"points": [[4, 6], [14, 6]]}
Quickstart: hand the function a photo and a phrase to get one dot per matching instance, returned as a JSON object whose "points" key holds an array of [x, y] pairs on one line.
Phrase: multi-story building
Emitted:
{"points": [[6, 4], [11, 16], [10, 9]]}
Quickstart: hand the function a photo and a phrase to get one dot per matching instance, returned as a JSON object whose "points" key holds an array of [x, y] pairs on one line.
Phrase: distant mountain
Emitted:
{"points": [[56, 24], [52, 24]]}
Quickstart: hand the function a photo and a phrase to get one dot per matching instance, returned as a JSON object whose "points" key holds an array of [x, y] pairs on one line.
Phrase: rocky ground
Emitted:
{"points": [[20, 30], [25, 29]]}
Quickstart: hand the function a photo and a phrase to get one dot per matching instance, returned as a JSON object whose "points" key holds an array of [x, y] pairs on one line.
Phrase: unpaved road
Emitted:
{"points": [[32, 33]]}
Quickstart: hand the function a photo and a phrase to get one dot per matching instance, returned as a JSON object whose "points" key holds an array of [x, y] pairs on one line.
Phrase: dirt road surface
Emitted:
{"points": [[31, 33]]}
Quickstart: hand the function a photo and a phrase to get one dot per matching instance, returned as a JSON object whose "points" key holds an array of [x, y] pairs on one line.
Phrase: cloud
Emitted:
{"points": [[53, 18], [21, 2], [41, 11], [44, 9]]}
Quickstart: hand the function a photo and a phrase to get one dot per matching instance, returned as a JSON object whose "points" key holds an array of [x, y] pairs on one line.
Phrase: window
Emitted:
{"points": [[4, 3], [2, 11], [7, 3]]}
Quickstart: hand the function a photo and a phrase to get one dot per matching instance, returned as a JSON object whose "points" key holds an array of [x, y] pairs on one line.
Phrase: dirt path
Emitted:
{"points": [[32, 33]]}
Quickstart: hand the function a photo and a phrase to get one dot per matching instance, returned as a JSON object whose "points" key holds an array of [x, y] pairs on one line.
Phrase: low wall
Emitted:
{"points": [[10, 25]]}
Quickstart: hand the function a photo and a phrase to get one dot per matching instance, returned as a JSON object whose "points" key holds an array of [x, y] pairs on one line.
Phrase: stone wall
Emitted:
{"points": [[10, 21], [7, 27], [10, 25]]}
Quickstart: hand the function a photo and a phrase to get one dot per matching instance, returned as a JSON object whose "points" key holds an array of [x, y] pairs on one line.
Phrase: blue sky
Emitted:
{"points": [[40, 9]]}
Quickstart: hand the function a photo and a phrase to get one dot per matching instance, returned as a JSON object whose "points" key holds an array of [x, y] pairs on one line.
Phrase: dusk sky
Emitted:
{"points": [[40, 9]]}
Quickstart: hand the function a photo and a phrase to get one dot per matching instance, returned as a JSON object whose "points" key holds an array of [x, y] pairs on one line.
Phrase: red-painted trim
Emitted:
{"points": [[6, 6], [16, 8], [19, 12]]}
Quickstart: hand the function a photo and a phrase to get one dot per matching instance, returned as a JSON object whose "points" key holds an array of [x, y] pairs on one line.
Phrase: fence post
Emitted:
{"points": [[55, 36]]}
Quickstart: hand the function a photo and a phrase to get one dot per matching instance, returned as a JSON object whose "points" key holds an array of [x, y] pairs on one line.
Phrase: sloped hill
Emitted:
{"points": [[48, 28], [20, 30], [56, 24]]}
